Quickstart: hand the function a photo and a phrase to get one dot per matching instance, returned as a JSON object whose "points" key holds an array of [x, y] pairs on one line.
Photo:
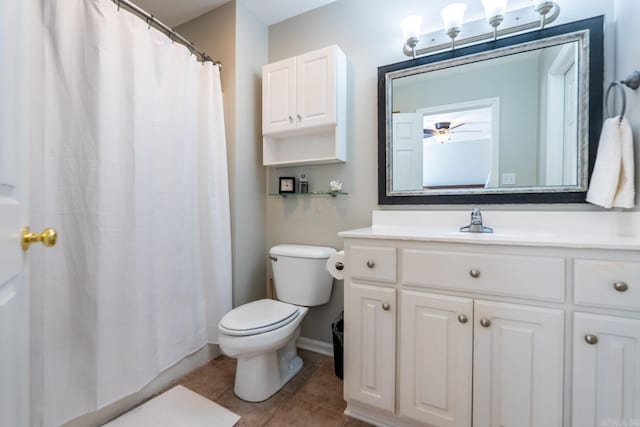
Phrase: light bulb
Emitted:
{"points": [[453, 17], [411, 26], [494, 10], [442, 137]]}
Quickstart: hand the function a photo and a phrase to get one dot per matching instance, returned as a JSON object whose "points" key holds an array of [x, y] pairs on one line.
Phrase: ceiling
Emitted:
{"points": [[174, 13]]}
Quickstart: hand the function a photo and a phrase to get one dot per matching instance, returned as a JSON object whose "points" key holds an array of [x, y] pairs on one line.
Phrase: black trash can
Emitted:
{"points": [[338, 336]]}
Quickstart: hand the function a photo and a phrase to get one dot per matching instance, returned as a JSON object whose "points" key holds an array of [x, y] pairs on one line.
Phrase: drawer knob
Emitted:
{"points": [[339, 266], [386, 306], [462, 318], [475, 273], [620, 286], [371, 263], [485, 323], [591, 339]]}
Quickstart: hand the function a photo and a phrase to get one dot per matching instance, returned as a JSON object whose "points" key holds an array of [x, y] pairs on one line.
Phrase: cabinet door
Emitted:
{"points": [[518, 366], [370, 343], [279, 96], [435, 352], [316, 88], [606, 372]]}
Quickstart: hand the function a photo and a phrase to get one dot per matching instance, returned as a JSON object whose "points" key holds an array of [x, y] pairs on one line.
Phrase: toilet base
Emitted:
{"points": [[261, 376]]}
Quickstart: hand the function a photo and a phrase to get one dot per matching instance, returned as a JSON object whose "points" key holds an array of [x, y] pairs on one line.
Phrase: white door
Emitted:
{"points": [[517, 370], [370, 342], [408, 140], [316, 87], [606, 371], [279, 96], [436, 350], [14, 140]]}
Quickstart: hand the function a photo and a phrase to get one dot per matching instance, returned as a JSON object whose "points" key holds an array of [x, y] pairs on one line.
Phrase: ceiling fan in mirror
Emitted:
{"points": [[442, 131]]}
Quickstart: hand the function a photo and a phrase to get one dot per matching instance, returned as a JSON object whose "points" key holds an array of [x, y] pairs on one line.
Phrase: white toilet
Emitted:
{"points": [[262, 334]]}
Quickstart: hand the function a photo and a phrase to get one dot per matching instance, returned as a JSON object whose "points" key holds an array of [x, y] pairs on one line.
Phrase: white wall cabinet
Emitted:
{"points": [[490, 336], [304, 109]]}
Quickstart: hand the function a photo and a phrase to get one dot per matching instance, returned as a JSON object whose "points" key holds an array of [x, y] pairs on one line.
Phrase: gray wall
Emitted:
{"points": [[368, 32], [627, 60], [238, 39]]}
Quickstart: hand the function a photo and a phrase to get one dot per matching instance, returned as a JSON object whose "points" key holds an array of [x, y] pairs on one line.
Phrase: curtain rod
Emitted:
{"points": [[167, 30]]}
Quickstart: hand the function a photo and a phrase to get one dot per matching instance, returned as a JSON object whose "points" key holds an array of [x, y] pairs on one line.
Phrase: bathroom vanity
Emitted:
{"points": [[535, 325]]}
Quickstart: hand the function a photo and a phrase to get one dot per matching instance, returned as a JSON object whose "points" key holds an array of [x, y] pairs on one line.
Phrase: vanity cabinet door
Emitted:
{"points": [[606, 371], [316, 88], [279, 96], [370, 344], [518, 365], [435, 351]]}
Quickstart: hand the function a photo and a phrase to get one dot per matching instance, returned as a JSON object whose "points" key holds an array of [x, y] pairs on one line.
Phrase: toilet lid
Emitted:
{"points": [[257, 317]]}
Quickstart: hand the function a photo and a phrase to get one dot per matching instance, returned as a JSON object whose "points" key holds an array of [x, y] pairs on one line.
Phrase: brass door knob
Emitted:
{"points": [[48, 237]]}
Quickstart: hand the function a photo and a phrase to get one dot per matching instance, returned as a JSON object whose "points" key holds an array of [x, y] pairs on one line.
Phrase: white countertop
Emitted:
{"points": [[594, 230]]}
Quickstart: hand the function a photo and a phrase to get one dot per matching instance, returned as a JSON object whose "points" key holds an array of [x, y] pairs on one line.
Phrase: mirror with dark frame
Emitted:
{"points": [[515, 120]]}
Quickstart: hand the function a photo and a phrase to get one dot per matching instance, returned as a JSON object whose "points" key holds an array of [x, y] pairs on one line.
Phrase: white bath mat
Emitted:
{"points": [[178, 407]]}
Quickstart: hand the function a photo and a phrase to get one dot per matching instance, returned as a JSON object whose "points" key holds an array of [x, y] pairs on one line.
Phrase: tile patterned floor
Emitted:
{"points": [[311, 398]]}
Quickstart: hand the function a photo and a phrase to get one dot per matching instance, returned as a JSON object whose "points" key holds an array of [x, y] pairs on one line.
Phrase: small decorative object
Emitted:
{"points": [[335, 186], [287, 185], [303, 184]]}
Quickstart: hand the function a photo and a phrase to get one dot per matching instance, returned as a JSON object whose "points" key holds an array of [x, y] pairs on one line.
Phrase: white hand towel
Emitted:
{"points": [[613, 183]]}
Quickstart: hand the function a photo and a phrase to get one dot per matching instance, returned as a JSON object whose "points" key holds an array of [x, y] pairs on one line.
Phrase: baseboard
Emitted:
{"points": [[316, 346]]}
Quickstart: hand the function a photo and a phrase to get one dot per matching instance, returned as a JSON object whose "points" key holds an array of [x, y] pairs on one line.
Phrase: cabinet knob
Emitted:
{"points": [[290, 119], [371, 263], [339, 266], [620, 286], [485, 323], [591, 339], [475, 273], [386, 306], [299, 117], [462, 318]]}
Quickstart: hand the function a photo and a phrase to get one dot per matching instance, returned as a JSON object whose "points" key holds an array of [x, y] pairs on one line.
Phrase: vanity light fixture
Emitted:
{"points": [[543, 7], [411, 28], [543, 13], [494, 10], [453, 17]]}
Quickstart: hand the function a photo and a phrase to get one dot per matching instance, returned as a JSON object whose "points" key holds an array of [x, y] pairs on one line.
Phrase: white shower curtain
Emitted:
{"points": [[132, 172]]}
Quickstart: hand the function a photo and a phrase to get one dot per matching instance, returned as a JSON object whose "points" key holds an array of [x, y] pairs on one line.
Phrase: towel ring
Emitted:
{"points": [[624, 99]]}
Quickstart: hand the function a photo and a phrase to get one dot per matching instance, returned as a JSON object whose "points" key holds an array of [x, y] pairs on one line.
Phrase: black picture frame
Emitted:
{"points": [[595, 27], [284, 180]]}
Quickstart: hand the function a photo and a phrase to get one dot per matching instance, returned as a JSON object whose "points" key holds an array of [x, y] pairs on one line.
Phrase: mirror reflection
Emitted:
{"points": [[511, 121]]}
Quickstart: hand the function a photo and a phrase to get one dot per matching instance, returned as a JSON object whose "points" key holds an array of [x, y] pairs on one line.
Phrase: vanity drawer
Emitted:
{"points": [[373, 263], [508, 275], [606, 283]]}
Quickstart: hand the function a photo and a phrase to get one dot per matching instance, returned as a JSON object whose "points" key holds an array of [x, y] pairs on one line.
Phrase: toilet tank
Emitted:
{"points": [[300, 274]]}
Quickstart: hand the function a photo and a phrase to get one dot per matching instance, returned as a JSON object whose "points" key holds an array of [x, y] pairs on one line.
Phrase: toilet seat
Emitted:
{"points": [[258, 317]]}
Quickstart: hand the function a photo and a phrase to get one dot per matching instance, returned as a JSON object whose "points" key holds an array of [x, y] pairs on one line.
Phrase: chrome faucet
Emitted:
{"points": [[476, 224]]}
